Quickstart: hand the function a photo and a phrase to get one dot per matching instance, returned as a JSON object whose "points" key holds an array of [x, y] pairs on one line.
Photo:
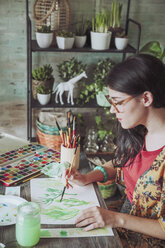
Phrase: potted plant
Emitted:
{"points": [[154, 48], [98, 88], [44, 36], [69, 69], [100, 36], [42, 76], [102, 70], [43, 94], [80, 33], [115, 17], [65, 39], [121, 40]]}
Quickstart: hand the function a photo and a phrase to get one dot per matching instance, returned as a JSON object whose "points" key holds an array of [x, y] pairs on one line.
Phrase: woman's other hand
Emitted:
{"points": [[95, 217]]}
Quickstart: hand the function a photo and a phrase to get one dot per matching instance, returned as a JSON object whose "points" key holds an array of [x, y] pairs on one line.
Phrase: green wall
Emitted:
{"points": [[149, 13]]}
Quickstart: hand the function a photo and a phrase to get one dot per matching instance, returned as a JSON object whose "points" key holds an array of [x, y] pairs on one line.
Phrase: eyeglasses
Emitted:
{"points": [[119, 102]]}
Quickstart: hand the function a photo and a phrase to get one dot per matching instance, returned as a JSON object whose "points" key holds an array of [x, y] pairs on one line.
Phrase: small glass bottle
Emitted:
{"points": [[91, 142], [107, 144], [28, 224]]}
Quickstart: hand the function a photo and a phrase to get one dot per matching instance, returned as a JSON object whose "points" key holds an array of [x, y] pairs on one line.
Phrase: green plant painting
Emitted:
{"points": [[59, 213], [47, 193], [75, 232], [51, 195]]}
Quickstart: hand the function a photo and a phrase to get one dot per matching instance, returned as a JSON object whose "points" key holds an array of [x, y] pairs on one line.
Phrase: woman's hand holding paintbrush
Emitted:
{"points": [[74, 176]]}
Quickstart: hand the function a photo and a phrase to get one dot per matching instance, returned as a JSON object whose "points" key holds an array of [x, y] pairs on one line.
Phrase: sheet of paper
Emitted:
{"points": [[75, 232], [13, 191], [47, 193], [9, 142]]}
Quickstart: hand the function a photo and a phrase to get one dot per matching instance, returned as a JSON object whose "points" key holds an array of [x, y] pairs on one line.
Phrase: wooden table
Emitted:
{"points": [[7, 233]]}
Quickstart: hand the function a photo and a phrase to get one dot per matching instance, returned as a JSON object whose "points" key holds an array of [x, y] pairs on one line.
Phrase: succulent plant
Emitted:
{"points": [[70, 68], [44, 29], [43, 73], [42, 89], [121, 34], [65, 34]]}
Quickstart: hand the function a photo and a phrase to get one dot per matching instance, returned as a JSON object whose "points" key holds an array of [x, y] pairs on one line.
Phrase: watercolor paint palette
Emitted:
{"points": [[21, 152], [18, 170]]}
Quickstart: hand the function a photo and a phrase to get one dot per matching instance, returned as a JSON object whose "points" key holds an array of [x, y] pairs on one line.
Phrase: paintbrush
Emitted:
{"points": [[69, 126], [68, 174], [74, 126], [60, 130]]}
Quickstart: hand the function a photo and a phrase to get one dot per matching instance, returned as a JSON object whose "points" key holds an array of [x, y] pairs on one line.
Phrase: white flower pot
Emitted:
{"points": [[65, 43], [43, 98], [101, 99], [80, 41], [100, 41], [44, 40], [121, 43]]}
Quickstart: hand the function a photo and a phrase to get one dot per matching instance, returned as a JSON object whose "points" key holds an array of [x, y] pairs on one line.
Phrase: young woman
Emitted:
{"points": [[137, 96]]}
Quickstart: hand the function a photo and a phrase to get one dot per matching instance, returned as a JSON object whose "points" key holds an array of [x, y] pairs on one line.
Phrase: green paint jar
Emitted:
{"points": [[28, 224]]}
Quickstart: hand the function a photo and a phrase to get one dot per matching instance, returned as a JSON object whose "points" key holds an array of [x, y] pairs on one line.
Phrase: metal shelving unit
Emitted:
{"points": [[32, 47]]}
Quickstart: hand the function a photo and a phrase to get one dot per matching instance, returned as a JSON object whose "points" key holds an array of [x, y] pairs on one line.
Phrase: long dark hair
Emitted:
{"points": [[137, 74]]}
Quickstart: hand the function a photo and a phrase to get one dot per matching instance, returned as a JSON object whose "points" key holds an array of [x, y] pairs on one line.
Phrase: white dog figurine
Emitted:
{"points": [[68, 86]]}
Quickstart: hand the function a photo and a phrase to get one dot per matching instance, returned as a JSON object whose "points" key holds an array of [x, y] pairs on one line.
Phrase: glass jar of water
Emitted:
{"points": [[28, 224]]}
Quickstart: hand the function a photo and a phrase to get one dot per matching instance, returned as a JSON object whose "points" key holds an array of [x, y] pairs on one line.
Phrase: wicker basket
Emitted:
{"points": [[52, 12], [107, 189], [48, 136]]}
